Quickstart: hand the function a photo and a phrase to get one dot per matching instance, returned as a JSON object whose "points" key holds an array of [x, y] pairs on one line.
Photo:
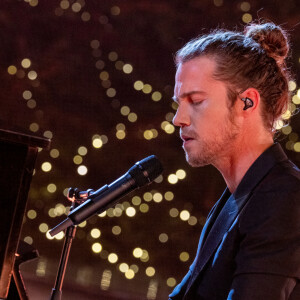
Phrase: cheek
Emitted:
{"points": [[209, 121], [205, 113]]}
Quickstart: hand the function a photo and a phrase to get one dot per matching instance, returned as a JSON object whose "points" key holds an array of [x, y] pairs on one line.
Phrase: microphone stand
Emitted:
{"points": [[76, 199]]}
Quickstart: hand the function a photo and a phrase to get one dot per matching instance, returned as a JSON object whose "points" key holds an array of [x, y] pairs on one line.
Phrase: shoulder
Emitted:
{"points": [[284, 176], [276, 200], [269, 224]]}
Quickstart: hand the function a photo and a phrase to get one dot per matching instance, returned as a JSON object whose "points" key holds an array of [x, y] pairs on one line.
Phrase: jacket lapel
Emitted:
{"points": [[221, 225], [181, 288], [211, 218]]}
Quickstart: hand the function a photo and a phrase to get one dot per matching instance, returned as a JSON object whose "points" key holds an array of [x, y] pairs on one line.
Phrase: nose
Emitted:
{"points": [[182, 117]]}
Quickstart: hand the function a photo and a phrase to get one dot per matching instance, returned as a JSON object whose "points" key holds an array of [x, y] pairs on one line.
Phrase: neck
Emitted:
{"points": [[234, 166]]}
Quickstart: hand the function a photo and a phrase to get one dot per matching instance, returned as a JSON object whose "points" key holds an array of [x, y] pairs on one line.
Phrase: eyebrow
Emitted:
{"points": [[184, 95]]}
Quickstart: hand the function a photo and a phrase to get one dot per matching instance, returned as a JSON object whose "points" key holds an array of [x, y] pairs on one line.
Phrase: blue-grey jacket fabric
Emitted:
{"points": [[249, 247]]}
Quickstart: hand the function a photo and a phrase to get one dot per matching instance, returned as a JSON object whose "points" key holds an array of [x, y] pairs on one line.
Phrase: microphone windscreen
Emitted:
{"points": [[146, 170]]}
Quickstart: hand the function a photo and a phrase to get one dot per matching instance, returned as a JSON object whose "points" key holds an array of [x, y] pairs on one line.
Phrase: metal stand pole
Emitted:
{"points": [[70, 234], [77, 197]]}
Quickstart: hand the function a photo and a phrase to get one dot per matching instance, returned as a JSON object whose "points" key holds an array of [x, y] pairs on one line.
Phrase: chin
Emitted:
{"points": [[196, 161]]}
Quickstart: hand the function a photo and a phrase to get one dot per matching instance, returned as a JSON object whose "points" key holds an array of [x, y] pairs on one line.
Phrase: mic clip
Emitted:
{"points": [[78, 196]]}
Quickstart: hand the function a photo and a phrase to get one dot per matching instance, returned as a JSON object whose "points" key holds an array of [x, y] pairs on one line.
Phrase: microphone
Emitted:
{"points": [[140, 174]]}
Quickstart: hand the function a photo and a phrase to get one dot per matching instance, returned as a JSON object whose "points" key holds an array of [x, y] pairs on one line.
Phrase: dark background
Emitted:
{"points": [[69, 104]]}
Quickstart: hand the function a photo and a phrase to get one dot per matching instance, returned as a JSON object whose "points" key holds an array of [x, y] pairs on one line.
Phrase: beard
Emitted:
{"points": [[212, 148]]}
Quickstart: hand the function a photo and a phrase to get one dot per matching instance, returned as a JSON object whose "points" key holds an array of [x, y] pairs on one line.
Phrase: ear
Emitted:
{"points": [[251, 99]]}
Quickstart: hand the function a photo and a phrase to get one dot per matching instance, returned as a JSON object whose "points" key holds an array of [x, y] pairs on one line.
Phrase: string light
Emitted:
{"points": [[247, 18], [147, 196], [113, 56], [51, 188], [32, 75], [54, 153], [34, 127], [82, 224], [292, 86], [82, 150], [46, 166], [82, 170], [180, 174], [31, 103], [138, 85], [27, 95], [156, 96], [137, 252], [97, 143], [163, 237], [48, 134], [145, 256], [192, 221], [172, 178], [111, 92], [112, 258], [59, 209], [245, 6], [116, 230], [171, 282], [123, 267], [157, 197], [86, 16], [184, 215], [129, 274], [64, 4], [136, 200], [115, 10], [96, 247], [169, 196], [33, 3], [26, 63], [130, 211], [31, 214], [43, 227], [76, 7], [95, 233], [132, 117], [28, 240], [184, 256], [60, 236], [147, 88], [174, 212], [127, 68], [150, 271], [144, 208]]}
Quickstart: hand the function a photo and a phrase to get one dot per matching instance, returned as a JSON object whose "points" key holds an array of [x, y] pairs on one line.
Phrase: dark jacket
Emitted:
{"points": [[250, 245]]}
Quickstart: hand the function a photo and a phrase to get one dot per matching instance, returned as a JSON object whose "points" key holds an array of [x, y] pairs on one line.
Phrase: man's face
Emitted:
{"points": [[207, 125]]}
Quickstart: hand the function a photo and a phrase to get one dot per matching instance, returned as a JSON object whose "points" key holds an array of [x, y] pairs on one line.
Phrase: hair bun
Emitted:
{"points": [[272, 38]]}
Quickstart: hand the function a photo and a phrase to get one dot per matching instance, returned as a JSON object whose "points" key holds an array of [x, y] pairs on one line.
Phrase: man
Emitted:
{"points": [[231, 89]]}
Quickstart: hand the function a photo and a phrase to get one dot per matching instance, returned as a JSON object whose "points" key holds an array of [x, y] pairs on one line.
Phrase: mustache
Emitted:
{"points": [[189, 133]]}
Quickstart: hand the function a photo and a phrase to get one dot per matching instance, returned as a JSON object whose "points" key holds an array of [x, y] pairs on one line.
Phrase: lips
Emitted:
{"points": [[186, 140]]}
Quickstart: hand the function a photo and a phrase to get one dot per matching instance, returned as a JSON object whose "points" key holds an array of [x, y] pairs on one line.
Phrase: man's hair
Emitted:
{"points": [[255, 58]]}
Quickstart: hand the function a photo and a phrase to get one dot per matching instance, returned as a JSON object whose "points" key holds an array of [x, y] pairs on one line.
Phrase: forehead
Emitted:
{"points": [[195, 74]]}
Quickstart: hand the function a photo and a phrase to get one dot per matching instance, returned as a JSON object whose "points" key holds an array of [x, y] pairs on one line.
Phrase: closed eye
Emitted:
{"points": [[197, 101]]}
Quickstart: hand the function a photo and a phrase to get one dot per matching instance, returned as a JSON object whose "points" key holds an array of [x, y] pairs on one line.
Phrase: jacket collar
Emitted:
{"points": [[263, 164]]}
